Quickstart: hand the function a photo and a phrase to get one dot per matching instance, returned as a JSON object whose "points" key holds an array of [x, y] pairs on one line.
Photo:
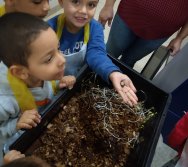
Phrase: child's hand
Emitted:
{"points": [[28, 120], [124, 86], [12, 155], [67, 81]]}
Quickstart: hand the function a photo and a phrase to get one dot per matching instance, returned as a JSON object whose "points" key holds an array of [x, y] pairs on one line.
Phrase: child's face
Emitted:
{"points": [[45, 61], [78, 12], [38, 8]]}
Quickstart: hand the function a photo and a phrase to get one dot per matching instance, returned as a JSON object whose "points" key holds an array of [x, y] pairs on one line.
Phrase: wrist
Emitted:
{"points": [[179, 38], [110, 3], [112, 74]]}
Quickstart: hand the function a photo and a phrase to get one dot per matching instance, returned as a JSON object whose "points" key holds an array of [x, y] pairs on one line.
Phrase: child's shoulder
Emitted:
{"points": [[9, 105], [53, 22], [7, 99], [94, 24]]}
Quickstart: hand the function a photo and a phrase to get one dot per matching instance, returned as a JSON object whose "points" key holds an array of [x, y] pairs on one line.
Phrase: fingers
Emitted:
{"points": [[71, 83], [28, 120], [174, 52], [175, 45], [125, 98], [12, 155], [127, 82], [132, 86], [67, 81], [128, 96], [33, 117], [127, 92], [19, 156], [103, 22], [62, 85], [109, 22], [23, 126]]}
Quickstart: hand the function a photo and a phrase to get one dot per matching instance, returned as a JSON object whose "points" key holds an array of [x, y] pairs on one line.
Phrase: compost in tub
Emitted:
{"points": [[89, 143]]}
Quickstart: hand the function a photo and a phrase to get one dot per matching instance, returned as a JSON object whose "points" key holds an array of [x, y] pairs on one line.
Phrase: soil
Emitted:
{"points": [[95, 129]]}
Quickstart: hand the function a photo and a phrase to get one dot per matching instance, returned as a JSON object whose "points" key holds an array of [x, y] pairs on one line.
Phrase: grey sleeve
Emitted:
{"points": [[7, 124]]}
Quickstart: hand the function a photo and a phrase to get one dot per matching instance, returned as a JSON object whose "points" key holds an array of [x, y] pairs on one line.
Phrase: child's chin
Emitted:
{"points": [[79, 24], [53, 78]]}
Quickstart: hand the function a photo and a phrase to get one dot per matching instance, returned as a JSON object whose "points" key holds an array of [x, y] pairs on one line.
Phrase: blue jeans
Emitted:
{"points": [[123, 41]]}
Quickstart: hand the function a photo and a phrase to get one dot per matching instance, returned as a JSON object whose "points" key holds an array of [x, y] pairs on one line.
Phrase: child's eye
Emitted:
{"points": [[37, 1], [48, 60], [75, 1], [92, 4]]}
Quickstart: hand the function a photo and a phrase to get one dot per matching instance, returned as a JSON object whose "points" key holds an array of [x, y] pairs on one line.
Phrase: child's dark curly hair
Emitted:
{"points": [[17, 31]]}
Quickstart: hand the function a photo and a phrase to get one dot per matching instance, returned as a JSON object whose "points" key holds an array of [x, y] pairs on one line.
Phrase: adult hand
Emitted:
{"points": [[106, 15], [175, 45], [124, 86], [12, 155]]}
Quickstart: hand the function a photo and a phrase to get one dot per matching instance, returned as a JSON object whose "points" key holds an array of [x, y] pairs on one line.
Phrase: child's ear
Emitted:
{"points": [[61, 3], [19, 71]]}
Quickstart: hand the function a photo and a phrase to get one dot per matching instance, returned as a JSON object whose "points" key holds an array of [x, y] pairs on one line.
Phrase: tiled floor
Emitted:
{"points": [[163, 153]]}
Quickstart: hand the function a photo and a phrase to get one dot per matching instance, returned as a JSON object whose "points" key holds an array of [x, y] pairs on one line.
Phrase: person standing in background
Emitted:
{"points": [[140, 27]]}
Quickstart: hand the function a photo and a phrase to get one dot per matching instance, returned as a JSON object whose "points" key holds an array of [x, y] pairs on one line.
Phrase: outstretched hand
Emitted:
{"points": [[124, 86]]}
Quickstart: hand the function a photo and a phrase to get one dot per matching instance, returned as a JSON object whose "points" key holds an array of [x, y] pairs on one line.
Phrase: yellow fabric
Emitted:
{"points": [[60, 25], [2, 10], [54, 86], [86, 33], [21, 92]]}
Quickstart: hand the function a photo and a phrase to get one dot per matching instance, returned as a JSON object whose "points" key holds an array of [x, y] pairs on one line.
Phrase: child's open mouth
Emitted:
{"points": [[81, 19]]}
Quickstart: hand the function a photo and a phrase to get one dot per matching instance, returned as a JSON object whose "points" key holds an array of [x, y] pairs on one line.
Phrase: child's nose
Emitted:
{"points": [[46, 6], [61, 60], [83, 9]]}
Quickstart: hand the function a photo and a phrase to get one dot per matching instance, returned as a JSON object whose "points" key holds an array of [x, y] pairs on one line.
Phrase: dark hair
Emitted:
{"points": [[17, 31], [27, 162]]}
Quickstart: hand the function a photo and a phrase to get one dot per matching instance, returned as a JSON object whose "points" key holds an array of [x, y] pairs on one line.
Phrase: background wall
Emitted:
{"points": [[53, 3], [1, 2]]}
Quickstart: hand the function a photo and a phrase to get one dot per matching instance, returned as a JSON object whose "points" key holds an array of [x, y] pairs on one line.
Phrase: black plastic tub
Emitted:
{"points": [[143, 153]]}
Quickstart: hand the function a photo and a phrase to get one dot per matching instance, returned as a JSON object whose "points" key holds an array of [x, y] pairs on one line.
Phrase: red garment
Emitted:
{"points": [[153, 19], [179, 134]]}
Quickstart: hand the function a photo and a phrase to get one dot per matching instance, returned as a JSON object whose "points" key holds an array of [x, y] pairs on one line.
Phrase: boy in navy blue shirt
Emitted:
{"points": [[82, 41]]}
